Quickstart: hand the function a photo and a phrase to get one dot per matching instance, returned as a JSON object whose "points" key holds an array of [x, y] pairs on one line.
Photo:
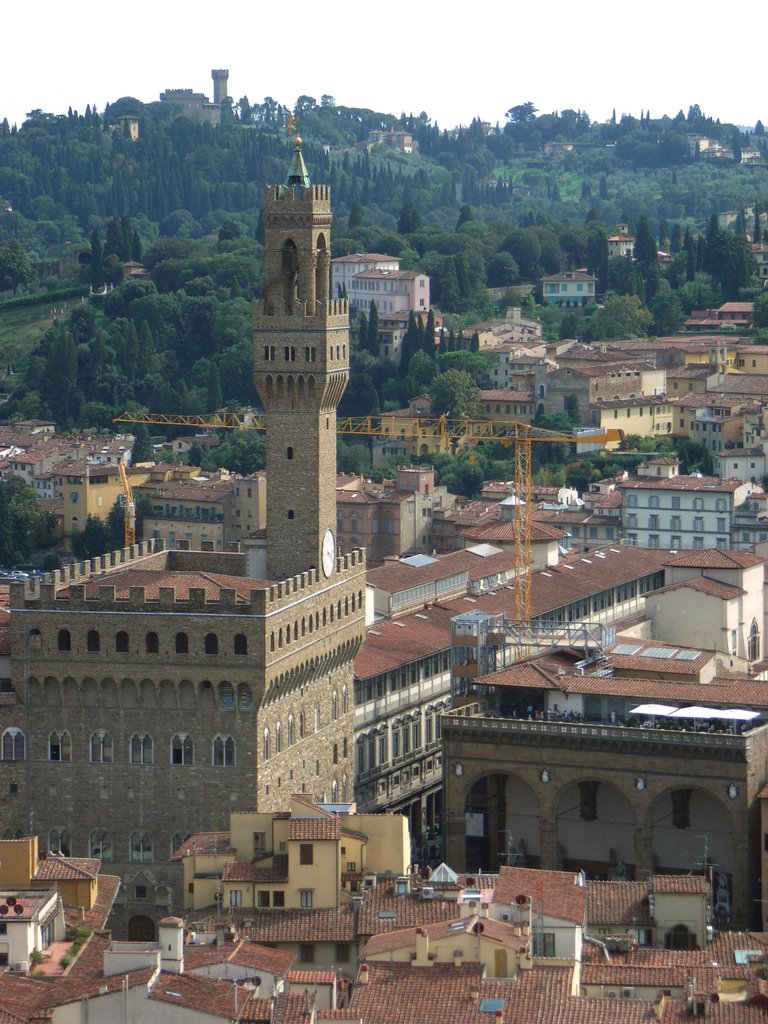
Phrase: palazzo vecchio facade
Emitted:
{"points": [[155, 691]]}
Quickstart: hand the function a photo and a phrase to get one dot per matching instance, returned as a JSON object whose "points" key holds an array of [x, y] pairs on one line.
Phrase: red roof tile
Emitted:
{"points": [[563, 898], [302, 829], [204, 843]]}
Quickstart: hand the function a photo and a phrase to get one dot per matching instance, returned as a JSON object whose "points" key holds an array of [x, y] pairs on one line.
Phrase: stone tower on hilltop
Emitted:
{"points": [[300, 369], [220, 78]]}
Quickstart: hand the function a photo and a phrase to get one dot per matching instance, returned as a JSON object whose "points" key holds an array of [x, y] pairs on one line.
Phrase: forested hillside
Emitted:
{"points": [[486, 206]]}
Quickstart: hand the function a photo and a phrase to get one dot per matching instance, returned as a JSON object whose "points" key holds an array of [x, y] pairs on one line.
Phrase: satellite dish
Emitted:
{"points": [[478, 928], [11, 901], [18, 909], [521, 900], [3, 910]]}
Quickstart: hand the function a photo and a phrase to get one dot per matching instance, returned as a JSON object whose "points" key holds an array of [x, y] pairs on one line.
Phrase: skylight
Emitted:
{"points": [[491, 1005], [626, 649]]}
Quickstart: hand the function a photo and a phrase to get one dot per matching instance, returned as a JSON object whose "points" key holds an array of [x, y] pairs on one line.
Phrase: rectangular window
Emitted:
{"points": [[305, 898], [306, 953], [259, 842], [263, 898], [278, 898], [235, 897], [698, 524], [342, 952], [544, 944]]}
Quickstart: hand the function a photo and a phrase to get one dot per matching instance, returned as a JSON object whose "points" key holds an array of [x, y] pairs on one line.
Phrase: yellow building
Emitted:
{"points": [[648, 417], [311, 857], [89, 489], [22, 866]]}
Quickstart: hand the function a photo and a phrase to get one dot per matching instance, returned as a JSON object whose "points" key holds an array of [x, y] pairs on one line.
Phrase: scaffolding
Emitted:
{"points": [[485, 642]]}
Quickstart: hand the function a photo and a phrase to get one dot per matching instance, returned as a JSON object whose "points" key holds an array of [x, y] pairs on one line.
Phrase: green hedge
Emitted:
{"points": [[49, 298]]}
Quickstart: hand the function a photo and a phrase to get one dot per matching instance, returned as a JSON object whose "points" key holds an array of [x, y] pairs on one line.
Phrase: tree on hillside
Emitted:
{"points": [[454, 394], [15, 269], [372, 340], [621, 317], [22, 518]]}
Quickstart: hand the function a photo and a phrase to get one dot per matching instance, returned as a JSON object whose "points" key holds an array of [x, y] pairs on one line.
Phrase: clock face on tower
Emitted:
{"points": [[329, 552]]}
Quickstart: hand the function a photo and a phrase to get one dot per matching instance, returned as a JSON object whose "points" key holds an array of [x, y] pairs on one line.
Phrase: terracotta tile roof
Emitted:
{"points": [[54, 868], [400, 994], [671, 665], [388, 644], [22, 998], [675, 975], [98, 915], [563, 897], [618, 903], [742, 384], [404, 938], [729, 692], [244, 953], [86, 976], [206, 995], [397, 575], [244, 871], [714, 558], [705, 585], [204, 843], [302, 829], [506, 530], [681, 483], [311, 977], [681, 884], [276, 925], [375, 915], [152, 580]]}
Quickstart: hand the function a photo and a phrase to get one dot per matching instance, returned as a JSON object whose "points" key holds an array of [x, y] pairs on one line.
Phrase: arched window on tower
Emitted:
{"points": [[224, 751], [265, 746], [142, 749], [60, 746], [278, 738], [182, 643], [182, 749], [241, 644], [65, 640], [100, 845], [101, 747], [13, 745], [59, 841], [754, 641], [291, 731], [92, 640], [121, 642], [152, 645], [141, 847], [344, 700], [334, 706], [211, 643]]}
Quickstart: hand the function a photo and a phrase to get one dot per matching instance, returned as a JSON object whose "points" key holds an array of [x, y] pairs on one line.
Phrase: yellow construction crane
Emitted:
{"points": [[129, 515], [472, 431]]}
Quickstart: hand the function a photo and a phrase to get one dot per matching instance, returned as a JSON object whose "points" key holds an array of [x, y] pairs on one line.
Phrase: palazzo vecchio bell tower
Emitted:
{"points": [[300, 370]]}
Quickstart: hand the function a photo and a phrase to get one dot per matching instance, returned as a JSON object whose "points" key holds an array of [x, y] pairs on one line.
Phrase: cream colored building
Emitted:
{"points": [[311, 857], [648, 417]]}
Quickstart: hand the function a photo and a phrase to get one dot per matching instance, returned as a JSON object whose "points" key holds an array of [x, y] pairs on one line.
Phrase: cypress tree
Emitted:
{"points": [[362, 333], [97, 261], [429, 335], [373, 330]]}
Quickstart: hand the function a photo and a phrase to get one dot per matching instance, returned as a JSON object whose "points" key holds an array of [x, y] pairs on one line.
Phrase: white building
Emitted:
{"points": [[681, 511], [345, 268]]}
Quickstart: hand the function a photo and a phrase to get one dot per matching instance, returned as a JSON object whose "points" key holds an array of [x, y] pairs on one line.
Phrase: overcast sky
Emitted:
{"points": [[455, 61]]}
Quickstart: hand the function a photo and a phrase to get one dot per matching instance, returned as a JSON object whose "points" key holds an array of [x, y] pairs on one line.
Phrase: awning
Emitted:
{"points": [[652, 709]]}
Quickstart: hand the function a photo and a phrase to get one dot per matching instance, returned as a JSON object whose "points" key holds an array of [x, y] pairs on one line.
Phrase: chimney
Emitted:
{"points": [[362, 978], [422, 948], [171, 941]]}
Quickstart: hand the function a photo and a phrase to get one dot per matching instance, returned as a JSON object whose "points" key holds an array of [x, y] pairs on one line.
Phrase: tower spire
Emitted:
{"points": [[297, 172]]}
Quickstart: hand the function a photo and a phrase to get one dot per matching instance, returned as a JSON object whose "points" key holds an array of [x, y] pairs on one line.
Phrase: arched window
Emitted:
{"points": [[334, 706], [226, 695], [121, 642], [301, 724], [278, 738], [324, 620], [65, 640], [59, 746], [245, 697], [59, 841], [344, 748], [182, 643], [291, 731], [335, 753], [338, 609], [311, 623], [296, 631], [272, 640], [182, 749], [141, 749], [211, 643], [100, 845], [176, 840], [92, 641], [13, 746], [280, 637], [344, 789], [101, 747], [754, 641], [331, 614], [303, 625], [344, 700], [265, 749], [334, 791], [141, 847], [317, 718], [224, 751], [152, 643], [241, 643]]}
